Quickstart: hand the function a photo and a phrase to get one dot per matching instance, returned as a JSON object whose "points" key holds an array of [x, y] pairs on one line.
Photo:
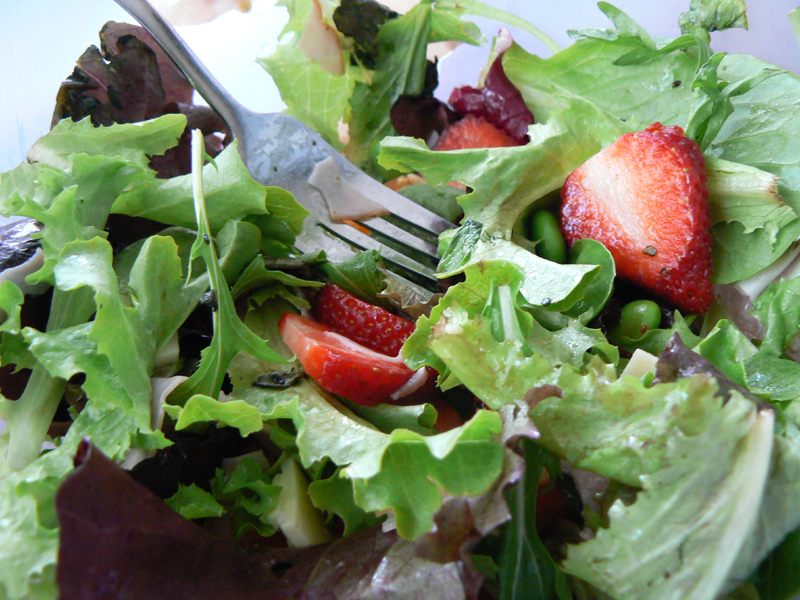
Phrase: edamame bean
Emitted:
{"points": [[638, 317], [545, 230]]}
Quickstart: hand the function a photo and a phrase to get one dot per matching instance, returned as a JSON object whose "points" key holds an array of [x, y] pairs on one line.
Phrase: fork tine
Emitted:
{"points": [[415, 270], [396, 204], [401, 237]]}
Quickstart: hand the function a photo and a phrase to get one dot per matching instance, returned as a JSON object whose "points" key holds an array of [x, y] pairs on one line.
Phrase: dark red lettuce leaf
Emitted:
{"points": [[420, 116], [176, 87], [498, 101], [130, 79], [119, 540]]}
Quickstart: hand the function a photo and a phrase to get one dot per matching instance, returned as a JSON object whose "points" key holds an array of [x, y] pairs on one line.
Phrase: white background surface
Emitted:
{"points": [[41, 40]]}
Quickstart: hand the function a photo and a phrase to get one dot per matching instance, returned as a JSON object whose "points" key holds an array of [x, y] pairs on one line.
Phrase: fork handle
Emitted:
{"points": [[197, 74]]}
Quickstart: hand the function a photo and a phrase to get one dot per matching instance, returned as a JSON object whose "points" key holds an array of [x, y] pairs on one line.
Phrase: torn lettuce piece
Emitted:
{"points": [[654, 90], [203, 409], [682, 535], [546, 284], [778, 309], [656, 439], [508, 183], [247, 496], [713, 15], [335, 496], [465, 460], [27, 498], [747, 195], [85, 283], [316, 96], [193, 502], [481, 334], [624, 425], [231, 194]]}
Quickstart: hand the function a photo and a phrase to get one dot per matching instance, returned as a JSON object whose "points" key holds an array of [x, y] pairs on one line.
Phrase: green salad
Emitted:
{"points": [[163, 440]]}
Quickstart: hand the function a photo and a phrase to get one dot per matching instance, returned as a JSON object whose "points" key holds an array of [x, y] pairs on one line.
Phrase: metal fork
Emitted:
{"points": [[281, 151]]}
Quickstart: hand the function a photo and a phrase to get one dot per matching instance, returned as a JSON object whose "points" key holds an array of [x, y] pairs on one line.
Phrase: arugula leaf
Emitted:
{"points": [[231, 336], [527, 571]]}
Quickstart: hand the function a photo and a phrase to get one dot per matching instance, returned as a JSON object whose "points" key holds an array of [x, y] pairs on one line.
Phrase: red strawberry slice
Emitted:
{"points": [[361, 321], [340, 365], [644, 197], [474, 132]]}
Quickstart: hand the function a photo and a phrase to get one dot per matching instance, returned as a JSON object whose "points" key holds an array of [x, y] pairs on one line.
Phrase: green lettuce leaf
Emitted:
{"points": [[738, 193], [690, 523], [465, 460], [193, 502], [247, 495], [231, 193], [400, 69], [657, 439], [203, 409], [778, 309], [713, 15], [496, 348], [27, 499], [317, 97]]}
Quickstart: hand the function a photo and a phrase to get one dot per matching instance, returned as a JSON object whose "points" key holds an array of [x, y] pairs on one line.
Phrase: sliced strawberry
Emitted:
{"points": [[361, 321], [644, 197], [342, 366], [474, 132]]}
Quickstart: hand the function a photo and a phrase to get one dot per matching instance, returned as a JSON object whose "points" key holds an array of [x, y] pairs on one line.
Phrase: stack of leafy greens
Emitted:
{"points": [[698, 462]]}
